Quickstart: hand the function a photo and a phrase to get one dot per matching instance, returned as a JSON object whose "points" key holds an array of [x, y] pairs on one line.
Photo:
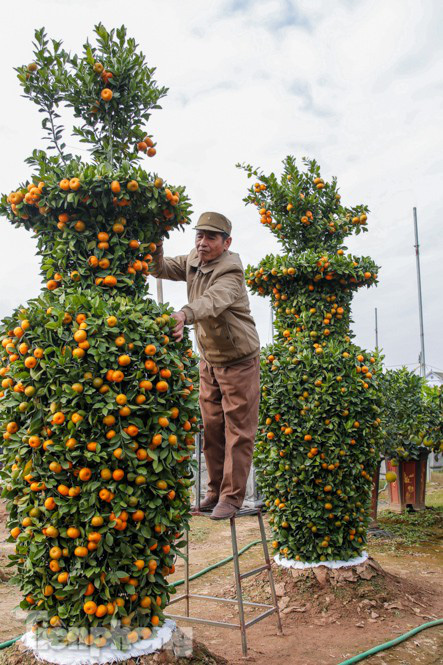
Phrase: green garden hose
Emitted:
{"points": [[9, 643], [350, 661], [392, 643]]}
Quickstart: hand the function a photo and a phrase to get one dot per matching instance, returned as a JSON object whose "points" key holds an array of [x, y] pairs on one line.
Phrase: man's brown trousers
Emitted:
{"points": [[229, 401]]}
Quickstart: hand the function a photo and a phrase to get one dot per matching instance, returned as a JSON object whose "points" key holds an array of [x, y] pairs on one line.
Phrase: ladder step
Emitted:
{"points": [[261, 616], [255, 571], [206, 622]]}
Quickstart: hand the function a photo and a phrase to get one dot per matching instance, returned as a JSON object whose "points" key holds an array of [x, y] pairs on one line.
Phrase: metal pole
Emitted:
{"points": [[420, 302], [187, 573], [159, 290], [420, 312], [376, 330], [198, 481], [272, 324]]}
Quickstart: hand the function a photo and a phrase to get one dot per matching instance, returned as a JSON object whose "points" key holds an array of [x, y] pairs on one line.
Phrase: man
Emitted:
{"points": [[218, 308]]}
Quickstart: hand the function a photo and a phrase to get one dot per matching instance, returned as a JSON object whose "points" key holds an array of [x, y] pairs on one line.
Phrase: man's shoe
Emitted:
{"points": [[207, 504], [223, 511]]}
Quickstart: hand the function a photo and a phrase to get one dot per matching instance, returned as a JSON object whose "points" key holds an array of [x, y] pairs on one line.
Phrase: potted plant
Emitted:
{"points": [[317, 445], [411, 429]]}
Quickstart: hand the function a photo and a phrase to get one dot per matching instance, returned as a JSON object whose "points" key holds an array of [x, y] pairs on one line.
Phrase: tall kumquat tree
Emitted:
{"points": [[318, 436], [97, 404]]}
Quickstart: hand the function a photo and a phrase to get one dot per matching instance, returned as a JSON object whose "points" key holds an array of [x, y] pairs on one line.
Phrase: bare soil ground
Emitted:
{"points": [[326, 619], [170, 655]]}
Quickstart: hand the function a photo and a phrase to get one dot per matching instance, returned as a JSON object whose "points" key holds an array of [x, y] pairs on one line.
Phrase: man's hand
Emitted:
{"points": [[180, 317]]}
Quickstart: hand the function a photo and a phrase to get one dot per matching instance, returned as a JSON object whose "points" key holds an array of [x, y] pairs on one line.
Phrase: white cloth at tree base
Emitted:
{"points": [[292, 563], [81, 654]]}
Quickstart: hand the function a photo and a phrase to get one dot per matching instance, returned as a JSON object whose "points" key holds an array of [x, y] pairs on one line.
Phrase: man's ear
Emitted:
{"points": [[227, 243]]}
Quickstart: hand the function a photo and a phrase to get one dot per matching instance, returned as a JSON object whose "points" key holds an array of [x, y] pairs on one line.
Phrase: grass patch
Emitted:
{"points": [[199, 533], [434, 493], [415, 527]]}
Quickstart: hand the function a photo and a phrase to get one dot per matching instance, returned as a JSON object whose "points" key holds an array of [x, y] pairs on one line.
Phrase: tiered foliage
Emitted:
{"points": [[319, 418], [413, 416], [98, 406]]}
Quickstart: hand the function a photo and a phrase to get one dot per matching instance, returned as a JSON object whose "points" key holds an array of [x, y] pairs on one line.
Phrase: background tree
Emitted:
{"points": [[317, 445], [412, 419], [433, 429], [97, 401]]}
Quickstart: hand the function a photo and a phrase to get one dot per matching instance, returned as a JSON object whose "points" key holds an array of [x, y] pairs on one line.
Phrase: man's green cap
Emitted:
{"points": [[214, 221]]}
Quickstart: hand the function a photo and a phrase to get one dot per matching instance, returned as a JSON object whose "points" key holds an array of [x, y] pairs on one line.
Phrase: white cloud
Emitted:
{"points": [[356, 85]]}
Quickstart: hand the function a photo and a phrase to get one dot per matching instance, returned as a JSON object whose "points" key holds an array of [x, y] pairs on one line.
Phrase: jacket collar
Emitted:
{"points": [[194, 261]]}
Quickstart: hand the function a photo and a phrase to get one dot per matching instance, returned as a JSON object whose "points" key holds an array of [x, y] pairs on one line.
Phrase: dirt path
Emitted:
{"points": [[322, 643], [321, 638]]}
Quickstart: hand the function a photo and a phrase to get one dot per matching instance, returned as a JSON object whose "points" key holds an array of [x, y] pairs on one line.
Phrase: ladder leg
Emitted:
{"points": [[270, 575], [238, 588], [187, 572]]}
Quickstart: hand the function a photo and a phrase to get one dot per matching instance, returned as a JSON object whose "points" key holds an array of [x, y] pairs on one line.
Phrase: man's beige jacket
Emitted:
{"points": [[218, 305]]}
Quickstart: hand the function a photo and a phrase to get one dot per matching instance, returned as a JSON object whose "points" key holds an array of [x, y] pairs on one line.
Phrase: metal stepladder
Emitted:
{"points": [[243, 625]]}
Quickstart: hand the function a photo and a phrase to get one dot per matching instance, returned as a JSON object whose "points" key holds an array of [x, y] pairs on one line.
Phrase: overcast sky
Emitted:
{"points": [[355, 84]]}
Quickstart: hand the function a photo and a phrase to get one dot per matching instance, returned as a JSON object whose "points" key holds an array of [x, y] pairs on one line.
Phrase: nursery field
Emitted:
{"points": [[99, 409], [322, 624]]}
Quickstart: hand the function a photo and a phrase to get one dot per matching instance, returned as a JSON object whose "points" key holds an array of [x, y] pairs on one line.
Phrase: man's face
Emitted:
{"points": [[210, 245]]}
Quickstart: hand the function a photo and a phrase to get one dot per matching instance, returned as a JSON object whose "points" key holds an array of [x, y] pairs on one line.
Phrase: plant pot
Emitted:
{"points": [[409, 490]]}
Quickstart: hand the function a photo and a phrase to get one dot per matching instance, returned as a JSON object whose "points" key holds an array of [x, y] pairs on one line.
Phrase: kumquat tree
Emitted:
{"points": [[318, 441], [97, 402]]}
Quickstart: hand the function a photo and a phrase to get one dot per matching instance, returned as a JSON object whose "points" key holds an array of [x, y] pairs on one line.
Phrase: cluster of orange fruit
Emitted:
{"points": [[140, 262], [306, 218], [327, 269], [31, 195], [87, 540], [146, 145], [33, 192], [17, 349], [106, 93], [364, 370], [90, 607]]}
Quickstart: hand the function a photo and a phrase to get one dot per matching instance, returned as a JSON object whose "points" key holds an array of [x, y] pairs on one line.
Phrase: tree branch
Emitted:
{"points": [[54, 135]]}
